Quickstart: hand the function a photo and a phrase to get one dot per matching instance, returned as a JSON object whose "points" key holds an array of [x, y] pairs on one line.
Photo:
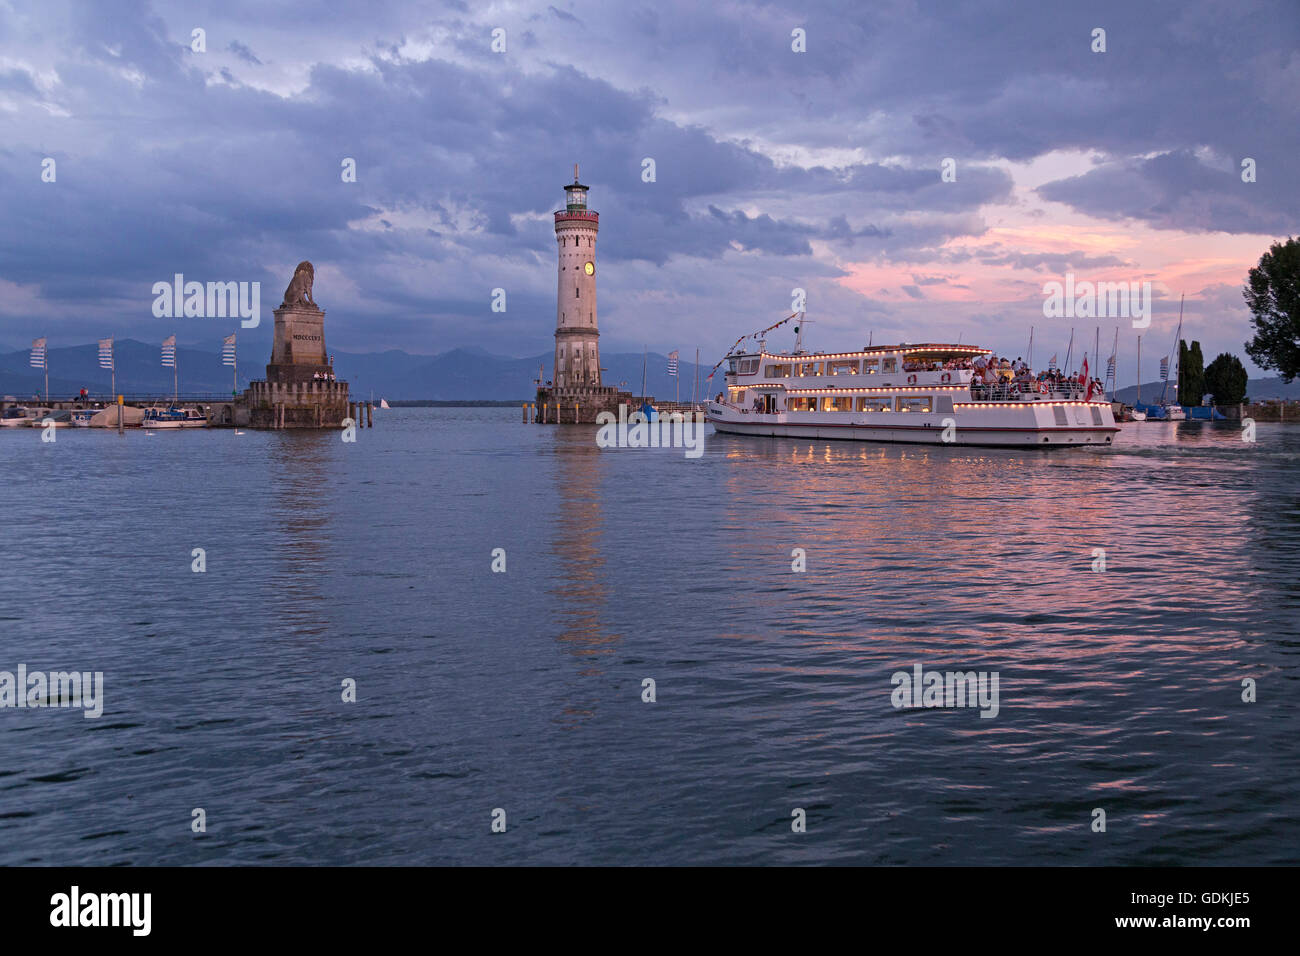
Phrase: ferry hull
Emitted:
{"points": [[923, 433]]}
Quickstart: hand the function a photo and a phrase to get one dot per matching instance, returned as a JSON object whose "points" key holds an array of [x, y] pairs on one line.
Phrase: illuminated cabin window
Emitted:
{"points": [[803, 404], [846, 367], [913, 403], [737, 395], [891, 365], [777, 371], [841, 403], [810, 368], [870, 366], [875, 404]]}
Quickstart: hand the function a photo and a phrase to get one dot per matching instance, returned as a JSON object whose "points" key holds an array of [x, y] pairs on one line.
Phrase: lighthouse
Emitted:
{"points": [[575, 394], [577, 349]]}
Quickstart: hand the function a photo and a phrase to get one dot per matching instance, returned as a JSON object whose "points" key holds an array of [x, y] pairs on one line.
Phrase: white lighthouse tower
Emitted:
{"points": [[577, 349]]}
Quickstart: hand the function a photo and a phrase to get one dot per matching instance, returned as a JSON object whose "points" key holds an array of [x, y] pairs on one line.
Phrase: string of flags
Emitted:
{"points": [[752, 335]]}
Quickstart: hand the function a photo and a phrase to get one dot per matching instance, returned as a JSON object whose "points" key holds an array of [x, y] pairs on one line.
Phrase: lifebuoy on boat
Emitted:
{"points": [[1042, 388], [946, 378], [911, 380]]}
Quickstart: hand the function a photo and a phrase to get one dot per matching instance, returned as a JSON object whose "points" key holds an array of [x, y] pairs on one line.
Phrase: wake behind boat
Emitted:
{"points": [[922, 394]]}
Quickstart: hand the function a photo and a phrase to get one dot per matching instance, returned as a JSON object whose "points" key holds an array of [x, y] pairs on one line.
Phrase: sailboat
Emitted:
{"points": [[649, 411], [383, 403], [1137, 414], [1173, 411]]}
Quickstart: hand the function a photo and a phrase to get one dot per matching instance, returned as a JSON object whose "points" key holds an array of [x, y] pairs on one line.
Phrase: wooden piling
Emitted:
{"points": [[370, 414]]}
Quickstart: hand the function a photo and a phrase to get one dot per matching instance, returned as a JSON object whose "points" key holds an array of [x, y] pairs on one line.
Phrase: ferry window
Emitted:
{"points": [[748, 366], [875, 404], [891, 365], [943, 403], [848, 367], [778, 371], [914, 403], [870, 366], [803, 404], [811, 368]]}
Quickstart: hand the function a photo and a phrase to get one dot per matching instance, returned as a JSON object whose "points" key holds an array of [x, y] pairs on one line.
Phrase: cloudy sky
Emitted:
{"points": [[774, 169]]}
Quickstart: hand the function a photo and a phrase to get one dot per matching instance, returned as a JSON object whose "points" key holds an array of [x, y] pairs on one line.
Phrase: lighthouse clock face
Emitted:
{"points": [[590, 268]]}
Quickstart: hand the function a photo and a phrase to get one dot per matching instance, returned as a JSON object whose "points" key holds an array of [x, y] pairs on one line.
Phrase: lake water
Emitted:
{"points": [[327, 561]]}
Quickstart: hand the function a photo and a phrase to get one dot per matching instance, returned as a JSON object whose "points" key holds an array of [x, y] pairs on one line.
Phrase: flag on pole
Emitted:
{"points": [[1051, 362], [38, 353], [169, 352], [106, 354], [228, 350], [1110, 366], [672, 362], [1164, 369]]}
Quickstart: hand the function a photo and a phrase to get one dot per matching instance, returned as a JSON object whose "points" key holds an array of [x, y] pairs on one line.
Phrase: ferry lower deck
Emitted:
{"points": [[930, 394]]}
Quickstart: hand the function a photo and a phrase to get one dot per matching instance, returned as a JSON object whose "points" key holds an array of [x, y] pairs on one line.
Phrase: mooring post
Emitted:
{"points": [[370, 414]]}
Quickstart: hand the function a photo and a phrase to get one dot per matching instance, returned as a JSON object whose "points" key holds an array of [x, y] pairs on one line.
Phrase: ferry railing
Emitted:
{"points": [[1022, 391]]}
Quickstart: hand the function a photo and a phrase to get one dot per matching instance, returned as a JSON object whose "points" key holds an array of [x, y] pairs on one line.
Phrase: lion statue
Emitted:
{"points": [[299, 291]]}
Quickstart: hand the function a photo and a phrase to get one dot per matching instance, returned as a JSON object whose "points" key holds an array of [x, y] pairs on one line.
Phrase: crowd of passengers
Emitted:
{"points": [[1018, 377]]}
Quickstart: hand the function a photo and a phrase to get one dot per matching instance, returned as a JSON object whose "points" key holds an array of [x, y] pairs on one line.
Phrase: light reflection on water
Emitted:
{"points": [[522, 690]]}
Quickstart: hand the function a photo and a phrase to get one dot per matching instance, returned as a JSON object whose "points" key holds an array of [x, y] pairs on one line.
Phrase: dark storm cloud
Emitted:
{"points": [[1176, 191]]}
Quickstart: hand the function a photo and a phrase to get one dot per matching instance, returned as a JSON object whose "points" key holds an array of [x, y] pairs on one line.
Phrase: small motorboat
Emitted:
{"points": [[16, 416], [174, 417]]}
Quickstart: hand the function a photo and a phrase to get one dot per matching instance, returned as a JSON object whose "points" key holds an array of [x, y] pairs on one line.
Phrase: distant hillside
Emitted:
{"points": [[458, 375]]}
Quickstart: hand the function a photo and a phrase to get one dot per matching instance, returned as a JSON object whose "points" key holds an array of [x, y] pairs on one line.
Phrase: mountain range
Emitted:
{"points": [[465, 374]]}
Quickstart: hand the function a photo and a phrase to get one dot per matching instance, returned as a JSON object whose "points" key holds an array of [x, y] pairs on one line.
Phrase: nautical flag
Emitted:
{"points": [[169, 352], [228, 350], [1110, 366], [106, 354], [1051, 362], [38, 354], [672, 362], [1164, 369]]}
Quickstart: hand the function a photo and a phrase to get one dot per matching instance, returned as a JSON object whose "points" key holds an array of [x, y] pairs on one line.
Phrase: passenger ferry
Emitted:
{"points": [[922, 394]]}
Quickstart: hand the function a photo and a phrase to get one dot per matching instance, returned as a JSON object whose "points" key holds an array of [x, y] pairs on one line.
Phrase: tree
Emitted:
{"points": [[1273, 295], [1191, 374], [1225, 379]]}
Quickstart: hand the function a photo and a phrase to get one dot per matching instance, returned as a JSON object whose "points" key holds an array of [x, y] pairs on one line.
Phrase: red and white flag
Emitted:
{"points": [[1085, 380]]}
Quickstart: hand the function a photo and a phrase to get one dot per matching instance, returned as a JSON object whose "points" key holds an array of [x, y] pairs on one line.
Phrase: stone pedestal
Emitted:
{"points": [[298, 352], [298, 392]]}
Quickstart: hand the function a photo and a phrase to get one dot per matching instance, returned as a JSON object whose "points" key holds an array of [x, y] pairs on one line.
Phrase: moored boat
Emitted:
{"points": [[174, 417], [16, 416]]}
